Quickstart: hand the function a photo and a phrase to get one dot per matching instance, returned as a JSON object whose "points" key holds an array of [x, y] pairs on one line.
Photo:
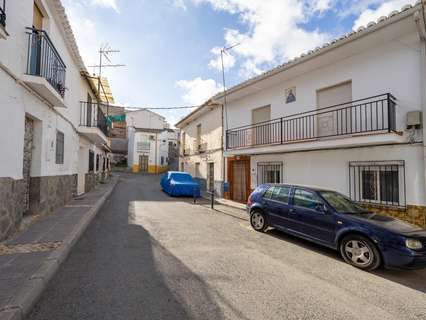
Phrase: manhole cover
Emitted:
{"points": [[28, 247]]}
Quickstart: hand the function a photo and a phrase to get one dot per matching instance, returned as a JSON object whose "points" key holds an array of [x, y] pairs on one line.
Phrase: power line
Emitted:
{"points": [[156, 108]]}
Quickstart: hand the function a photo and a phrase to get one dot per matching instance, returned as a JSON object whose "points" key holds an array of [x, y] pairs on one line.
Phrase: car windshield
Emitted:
{"points": [[341, 203]]}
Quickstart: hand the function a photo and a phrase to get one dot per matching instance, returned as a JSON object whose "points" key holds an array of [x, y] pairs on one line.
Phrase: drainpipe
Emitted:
{"points": [[420, 20]]}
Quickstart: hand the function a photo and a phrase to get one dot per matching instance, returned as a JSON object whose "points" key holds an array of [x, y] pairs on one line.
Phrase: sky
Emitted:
{"points": [[171, 48]]}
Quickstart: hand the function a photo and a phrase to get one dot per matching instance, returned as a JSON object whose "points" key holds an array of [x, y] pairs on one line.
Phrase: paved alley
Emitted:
{"points": [[148, 256]]}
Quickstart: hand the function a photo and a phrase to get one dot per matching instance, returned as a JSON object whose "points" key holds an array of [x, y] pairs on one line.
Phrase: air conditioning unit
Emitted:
{"points": [[414, 120]]}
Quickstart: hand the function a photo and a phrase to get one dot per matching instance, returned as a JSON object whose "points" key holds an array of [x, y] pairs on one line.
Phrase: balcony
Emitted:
{"points": [[93, 122], [45, 68], [3, 13], [365, 116]]}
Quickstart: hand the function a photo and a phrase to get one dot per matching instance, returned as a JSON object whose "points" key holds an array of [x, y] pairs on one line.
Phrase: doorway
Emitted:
{"points": [[239, 178], [27, 160], [332, 96], [143, 163]]}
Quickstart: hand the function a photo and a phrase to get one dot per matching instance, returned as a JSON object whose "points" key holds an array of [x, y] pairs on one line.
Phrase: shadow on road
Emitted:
{"points": [[118, 271]]}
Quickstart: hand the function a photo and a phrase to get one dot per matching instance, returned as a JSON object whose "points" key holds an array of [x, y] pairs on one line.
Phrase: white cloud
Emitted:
{"points": [[274, 34], [198, 90], [216, 63], [179, 4], [384, 9], [106, 3]]}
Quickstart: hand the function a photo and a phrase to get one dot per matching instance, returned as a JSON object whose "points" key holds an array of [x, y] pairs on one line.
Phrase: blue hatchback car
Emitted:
{"points": [[365, 239]]}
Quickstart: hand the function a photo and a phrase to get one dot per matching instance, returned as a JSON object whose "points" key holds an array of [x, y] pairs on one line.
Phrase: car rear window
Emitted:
{"points": [[278, 193]]}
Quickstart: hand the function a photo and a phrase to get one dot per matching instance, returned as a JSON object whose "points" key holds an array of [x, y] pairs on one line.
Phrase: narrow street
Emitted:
{"points": [[148, 256]]}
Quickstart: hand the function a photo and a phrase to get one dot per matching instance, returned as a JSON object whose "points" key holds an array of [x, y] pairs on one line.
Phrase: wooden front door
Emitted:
{"points": [[143, 163], [240, 182]]}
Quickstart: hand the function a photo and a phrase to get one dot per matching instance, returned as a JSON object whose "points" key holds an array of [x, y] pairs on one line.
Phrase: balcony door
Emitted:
{"points": [[261, 133], [89, 111], [35, 67], [327, 119]]}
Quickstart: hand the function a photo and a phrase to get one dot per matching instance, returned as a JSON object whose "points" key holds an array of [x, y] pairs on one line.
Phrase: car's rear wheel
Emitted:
{"points": [[258, 221], [360, 252]]}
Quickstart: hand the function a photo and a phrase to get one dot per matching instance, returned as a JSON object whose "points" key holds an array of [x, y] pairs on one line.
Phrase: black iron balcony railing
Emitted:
{"points": [[373, 114], [91, 115], [3, 13], [44, 60]]}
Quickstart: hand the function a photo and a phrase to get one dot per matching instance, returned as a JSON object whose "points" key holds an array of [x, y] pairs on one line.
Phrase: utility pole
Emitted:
{"points": [[223, 51]]}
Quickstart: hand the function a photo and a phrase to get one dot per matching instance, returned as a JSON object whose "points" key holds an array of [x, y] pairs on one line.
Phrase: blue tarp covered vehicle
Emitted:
{"points": [[180, 184]]}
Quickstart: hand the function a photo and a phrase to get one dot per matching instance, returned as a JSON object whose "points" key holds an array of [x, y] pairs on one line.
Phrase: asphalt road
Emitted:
{"points": [[148, 256]]}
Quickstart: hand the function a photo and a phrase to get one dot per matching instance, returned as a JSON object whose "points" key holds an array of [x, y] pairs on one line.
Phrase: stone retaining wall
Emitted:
{"points": [[12, 206], [90, 181], [51, 192], [413, 214]]}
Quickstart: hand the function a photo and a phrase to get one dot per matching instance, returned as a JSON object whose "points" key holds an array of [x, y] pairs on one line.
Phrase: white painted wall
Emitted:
{"points": [[330, 169], [145, 119], [393, 66], [211, 133], [18, 102], [158, 147]]}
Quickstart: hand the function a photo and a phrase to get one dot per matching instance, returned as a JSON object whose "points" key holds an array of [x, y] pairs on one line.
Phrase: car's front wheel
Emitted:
{"points": [[258, 221], [360, 252]]}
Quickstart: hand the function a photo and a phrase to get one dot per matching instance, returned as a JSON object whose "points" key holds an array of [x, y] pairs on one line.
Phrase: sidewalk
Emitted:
{"points": [[30, 260], [225, 206]]}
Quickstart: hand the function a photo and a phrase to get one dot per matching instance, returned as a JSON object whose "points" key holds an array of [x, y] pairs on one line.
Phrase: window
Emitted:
{"points": [[278, 193], [103, 164], [269, 172], [59, 147], [97, 163], [306, 199], [261, 114], [91, 161], [162, 160], [197, 170], [381, 182]]}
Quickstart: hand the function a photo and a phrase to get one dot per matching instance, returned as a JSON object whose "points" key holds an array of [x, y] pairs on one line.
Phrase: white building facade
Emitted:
{"points": [[45, 141], [152, 145], [347, 116], [201, 151]]}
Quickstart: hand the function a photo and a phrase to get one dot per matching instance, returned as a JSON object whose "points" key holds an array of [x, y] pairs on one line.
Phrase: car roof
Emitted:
{"points": [[311, 187]]}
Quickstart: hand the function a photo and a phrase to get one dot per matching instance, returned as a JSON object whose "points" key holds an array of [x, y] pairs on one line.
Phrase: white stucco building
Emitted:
{"points": [[52, 133], [201, 152], [347, 116], [151, 143]]}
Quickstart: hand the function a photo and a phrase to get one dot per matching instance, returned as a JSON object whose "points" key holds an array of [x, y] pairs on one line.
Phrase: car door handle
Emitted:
{"points": [[292, 211]]}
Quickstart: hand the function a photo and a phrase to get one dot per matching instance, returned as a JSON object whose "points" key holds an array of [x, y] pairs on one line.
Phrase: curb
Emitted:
{"points": [[28, 295], [222, 204]]}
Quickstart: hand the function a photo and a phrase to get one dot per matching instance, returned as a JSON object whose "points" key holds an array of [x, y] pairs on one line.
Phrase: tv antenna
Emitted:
{"points": [[104, 52]]}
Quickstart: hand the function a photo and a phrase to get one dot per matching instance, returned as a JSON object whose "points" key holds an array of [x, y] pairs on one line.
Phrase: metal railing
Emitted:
{"points": [[373, 114], [43, 60], [91, 115], [3, 13]]}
